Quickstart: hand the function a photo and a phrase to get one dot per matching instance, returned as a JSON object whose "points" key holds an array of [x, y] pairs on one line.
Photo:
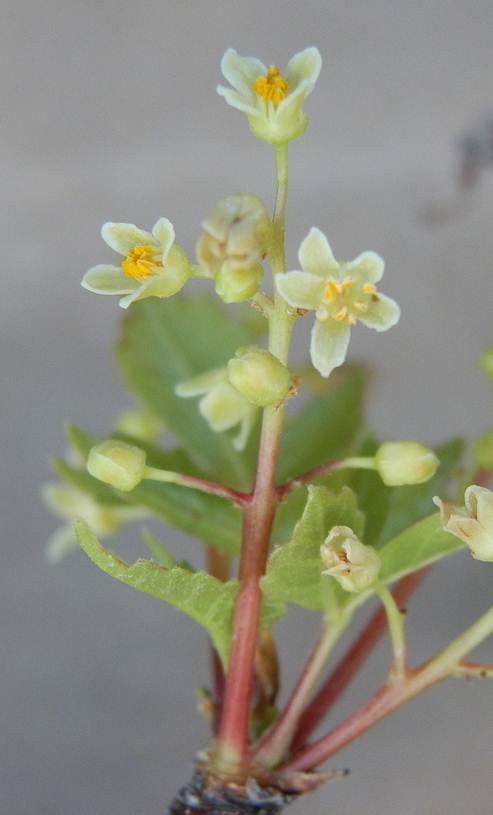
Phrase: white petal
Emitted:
{"points": [[246, 426], [329, 344], [382, 314], [203, 383], [241, 72], [369, 265], [170, 281], [64, 500], [237, 101], [223, 407], [106, 279], [479, 502], [316, 256], [300, 289], [61, 543], [305, 65], [124, 237], [164, 232]]}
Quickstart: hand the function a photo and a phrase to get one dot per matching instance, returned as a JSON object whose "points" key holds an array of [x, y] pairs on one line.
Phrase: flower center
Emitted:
{"points": [[348, 299], [272, 87], [141, 262]]}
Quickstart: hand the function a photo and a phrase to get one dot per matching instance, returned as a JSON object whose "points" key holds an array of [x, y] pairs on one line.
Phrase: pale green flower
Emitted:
{"points": [[72, 504], [272, 102], [354, 565], [153, 264], [341, 294], [472, 523], [221, 405], [405, 462]]}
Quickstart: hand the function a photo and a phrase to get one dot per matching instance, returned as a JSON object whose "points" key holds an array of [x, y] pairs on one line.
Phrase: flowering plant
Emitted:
{"points": [[295, 506]]}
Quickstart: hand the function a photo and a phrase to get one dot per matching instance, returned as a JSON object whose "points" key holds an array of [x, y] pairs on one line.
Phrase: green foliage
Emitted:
{"points": [[213, 519], [326, 428], [294, 571], [165, 342], [157, 550], [198, 595]]}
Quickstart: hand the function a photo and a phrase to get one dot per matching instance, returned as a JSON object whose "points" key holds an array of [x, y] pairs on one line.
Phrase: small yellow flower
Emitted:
{"points": [[153, 264], [272, 100], [341, 294], [354, 565], [472, 523]]}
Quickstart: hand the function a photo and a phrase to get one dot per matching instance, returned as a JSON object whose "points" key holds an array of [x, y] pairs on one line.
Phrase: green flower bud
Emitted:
{"points": [[237, 285], [116, 463], [486, 362], [259, 376], [405, 462], [483, 451], [354, 565]]}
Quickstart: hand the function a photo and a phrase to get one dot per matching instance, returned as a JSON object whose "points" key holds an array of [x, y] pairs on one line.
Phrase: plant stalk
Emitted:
{"points": [[231, 757]]}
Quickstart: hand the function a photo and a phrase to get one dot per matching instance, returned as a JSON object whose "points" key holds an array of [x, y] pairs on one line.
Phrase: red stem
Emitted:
{"points": [[306, 478], [233, 755], [217, 566], [351, 662]]}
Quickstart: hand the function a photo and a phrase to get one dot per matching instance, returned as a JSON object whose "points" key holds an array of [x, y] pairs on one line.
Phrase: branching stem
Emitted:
{"points": [[210, 487]]}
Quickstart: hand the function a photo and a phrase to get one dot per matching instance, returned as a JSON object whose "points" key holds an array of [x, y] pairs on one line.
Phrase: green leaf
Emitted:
{"points": [[166, 342], [423, 543], [157, 550], [325, 428], [208, 517], [294, 570], [202, 597]]}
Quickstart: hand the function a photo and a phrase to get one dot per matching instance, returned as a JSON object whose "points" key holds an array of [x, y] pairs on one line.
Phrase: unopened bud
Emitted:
{"points": [[486, 362], [238, 230], [483, 451], [354, 565], [234, 285], [118, 464], [405, 462], [259, 376]]}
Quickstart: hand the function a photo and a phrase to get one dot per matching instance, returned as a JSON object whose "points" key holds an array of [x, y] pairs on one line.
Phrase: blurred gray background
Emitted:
{"points": [[108, 112]]}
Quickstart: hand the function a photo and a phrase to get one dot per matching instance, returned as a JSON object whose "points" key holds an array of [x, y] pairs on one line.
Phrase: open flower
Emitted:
{"points": [[473, 523], [341, 294], [222, 406], [354, 565], [153, 264], [272, 101], [72, 504]]}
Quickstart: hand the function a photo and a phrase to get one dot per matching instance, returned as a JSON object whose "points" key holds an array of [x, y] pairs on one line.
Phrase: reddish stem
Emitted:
{"points": [[351, 662], [306, 478], [232, 754], [217, 566]]}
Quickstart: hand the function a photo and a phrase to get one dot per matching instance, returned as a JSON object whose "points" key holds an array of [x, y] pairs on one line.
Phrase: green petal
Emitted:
{"points": [[304, 66], [203, 383], [246, 426], [329, 344], [369, 266], [61, 543], [164, 232], [382, 314], [236, 100], [316, 256], [223, 407], [106, 279], [241, 72], [64, 500], [124, 237], [300, 289]]}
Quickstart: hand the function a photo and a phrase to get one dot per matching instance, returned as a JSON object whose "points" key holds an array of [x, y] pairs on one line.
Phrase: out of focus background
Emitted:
{"points": [[109, 112]]}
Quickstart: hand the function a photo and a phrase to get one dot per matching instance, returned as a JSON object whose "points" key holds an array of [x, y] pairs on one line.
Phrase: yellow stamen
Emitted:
{"points": [[141, 262], [346, 284], [369, 288], [342, 315], [272, 87], [332, 289]]}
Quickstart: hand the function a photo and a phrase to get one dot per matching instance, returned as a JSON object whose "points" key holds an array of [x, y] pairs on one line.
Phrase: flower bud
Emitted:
{"points": [[238, 230], [405, 462], [235, 285], [473, 523], [118, 464], [259, 376], [354, 565], [483, 451], [486, 362]]}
